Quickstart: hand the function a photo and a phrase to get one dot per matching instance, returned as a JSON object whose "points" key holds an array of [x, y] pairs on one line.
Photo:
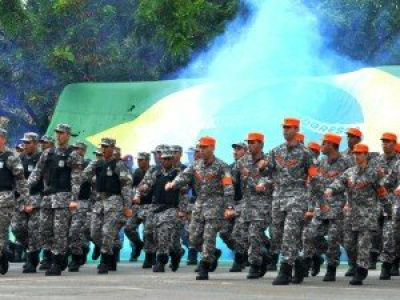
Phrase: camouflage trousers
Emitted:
{"points": [[165, 231], [54, 228], [226, 233], [333, 230], [25, 228], [6, 214], [106, 215], [358, 246], [377, 237], [77, 236], [388, 247], [131, 229], [183, 230], [203, 231], [286, 229]]}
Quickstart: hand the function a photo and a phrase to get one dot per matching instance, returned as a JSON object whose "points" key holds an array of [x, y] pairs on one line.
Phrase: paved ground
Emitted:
{"points": [[131, 282]]}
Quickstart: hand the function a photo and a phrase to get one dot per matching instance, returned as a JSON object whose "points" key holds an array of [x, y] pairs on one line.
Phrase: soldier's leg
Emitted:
{"points": [[388, 251], [46, 228], [196, 231], [292, 236], [211, 228], [376, 243], [277, 229], [257, 254], [61, 229], [226, 233], [335, 236], [109, 231], [19, 228]]}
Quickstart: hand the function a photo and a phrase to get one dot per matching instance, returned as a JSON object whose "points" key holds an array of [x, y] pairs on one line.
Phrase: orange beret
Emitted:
{"points": [[389, 136], [360, 148], [207, 141], [355, 132], [333, 138], [291, 122], [398, 148], [314, 146], [255, 136], [300, 137]]}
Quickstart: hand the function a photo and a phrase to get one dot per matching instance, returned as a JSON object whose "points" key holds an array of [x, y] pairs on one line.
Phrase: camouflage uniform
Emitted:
{"points": [[163, 211], [362, 186], [11, 179], [214, 193], [329, 223], [61, 167], [25, 227], [289, 169], [385, 165], [113, 195], [255, 210]]}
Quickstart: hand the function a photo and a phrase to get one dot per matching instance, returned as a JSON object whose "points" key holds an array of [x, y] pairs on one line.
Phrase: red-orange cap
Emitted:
{"points": [[207, 141], [333, 138], [291, 122], [255, 136], [355, 132], [314, 146], [389, 136], [360, 148], [398, 148]]}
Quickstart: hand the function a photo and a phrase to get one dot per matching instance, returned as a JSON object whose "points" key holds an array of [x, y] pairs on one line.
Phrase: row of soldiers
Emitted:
{"points": [[308, 205]]}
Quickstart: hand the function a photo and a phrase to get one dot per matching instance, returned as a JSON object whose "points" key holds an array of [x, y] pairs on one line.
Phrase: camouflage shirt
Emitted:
{"points": [[14, 165], [213, 180], [289, 169], [123, 173], [328, 172], [364, 188]]}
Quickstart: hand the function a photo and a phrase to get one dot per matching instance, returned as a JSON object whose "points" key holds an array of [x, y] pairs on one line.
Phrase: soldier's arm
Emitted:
{"points": [[340, 183], [36, 174], [146, 184], [184, 178], [76, 162], [229, 191], [15, 165], [125, 178]]}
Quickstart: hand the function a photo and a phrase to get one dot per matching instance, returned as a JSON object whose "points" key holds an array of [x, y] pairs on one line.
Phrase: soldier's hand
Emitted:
{"points": [[260, 188], [262, 164], [28, 209], [181, 214], [244, 172], [324, 207], [309, 215], [169, 186], [136, 200], [346, 208], [73, 205], [127, 212], [397, 191], [143, 188], [229, 213]]}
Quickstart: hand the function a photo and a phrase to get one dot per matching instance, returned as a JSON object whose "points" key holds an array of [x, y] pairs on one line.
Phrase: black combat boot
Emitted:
{"points": [[192, 257], [148, 260], [330, 273], [203, 271], [352, 268], [254, 272], [307, 266], [237, 263], [85, 250], [395, 268], [385, 271], [214, 265], [75, 263], [299, 267], [373, 260], [317, 261], [96, 252], [46, 262], [56, 266], [176, 260], [32, 262], [138, 250], [104, 264], [284, 276], [266, 259], [114, 259], [4, 263], [359, 275], [273, 265], [161, 261]]}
